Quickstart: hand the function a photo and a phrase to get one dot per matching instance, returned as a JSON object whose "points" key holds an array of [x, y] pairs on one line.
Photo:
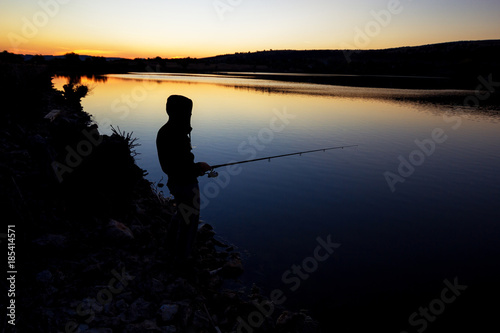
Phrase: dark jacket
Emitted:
{"points": [[176, 160]]}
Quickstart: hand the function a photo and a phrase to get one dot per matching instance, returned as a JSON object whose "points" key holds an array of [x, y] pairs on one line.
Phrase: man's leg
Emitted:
{"points": [[194, 219], [186, 219]]}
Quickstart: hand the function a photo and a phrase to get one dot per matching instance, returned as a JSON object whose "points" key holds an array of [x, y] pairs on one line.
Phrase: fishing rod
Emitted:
{"points": [[212, 173]]}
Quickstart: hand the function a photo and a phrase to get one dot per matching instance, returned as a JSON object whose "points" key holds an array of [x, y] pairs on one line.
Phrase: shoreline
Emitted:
{"points": [[403, 82]]}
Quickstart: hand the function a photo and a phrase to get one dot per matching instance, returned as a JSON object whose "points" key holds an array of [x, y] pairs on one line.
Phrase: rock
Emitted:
{"points": [[150, 325], [99, 330], [92, 268], [139, 210], [168, 311], [181, 289], [51, 240], [91, 305], [140, 307], [205, 232], [169, 329], [219, 243], [296, 322], [233, 267], [157, 286], [121, 305], [52, 115], [204, 227], [311, 325], [215, 271], [119, 231], [44, 277], [138, 230], [145, 326], [284, 319], [200, 321], [126, 319], [50, 290], [83, 328], [49, 314]]}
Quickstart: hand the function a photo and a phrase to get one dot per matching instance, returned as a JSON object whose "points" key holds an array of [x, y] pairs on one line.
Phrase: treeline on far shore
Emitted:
{"points": [[457, 64], [72, 63]]}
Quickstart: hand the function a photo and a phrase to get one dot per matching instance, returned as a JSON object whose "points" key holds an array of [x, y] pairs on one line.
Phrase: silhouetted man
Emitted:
{"points": [[173, 143]]}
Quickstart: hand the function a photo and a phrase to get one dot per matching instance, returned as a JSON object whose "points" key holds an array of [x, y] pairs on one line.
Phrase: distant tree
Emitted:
{"points": [[96, 64], [8, 57], [184, 62], [72, 58], [37, 59]]}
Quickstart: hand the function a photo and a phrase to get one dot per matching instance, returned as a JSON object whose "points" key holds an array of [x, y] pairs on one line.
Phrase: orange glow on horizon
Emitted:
{"points": [[96, 53]]}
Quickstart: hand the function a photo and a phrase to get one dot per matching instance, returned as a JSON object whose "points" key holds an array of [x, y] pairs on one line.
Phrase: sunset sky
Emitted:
{"points": [[201, 28]]}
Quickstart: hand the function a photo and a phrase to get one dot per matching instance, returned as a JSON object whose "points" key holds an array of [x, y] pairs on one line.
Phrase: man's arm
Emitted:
{"points": [[204, 167]]}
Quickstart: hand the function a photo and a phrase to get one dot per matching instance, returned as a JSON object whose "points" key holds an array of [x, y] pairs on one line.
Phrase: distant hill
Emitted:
{"points": [[450, 65], [28, 57], [454, 59]]}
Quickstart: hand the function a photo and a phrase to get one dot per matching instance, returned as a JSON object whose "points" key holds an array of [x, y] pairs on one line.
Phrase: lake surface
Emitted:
{"points": [[414, 204]]}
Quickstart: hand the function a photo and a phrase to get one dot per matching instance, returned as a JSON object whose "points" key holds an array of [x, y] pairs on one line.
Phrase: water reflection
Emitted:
{"points": [[452, 98], [77, 79]]}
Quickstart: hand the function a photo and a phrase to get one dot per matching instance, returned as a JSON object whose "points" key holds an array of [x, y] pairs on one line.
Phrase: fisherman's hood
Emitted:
{"points": [[179, 110]]}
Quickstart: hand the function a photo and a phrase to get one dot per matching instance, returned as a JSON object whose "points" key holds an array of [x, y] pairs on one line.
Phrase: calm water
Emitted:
{"points": [[397, 243]]}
